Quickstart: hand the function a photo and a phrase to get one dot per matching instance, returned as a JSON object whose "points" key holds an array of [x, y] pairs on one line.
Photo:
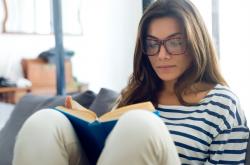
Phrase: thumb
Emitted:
{"points": [[67, 102]]}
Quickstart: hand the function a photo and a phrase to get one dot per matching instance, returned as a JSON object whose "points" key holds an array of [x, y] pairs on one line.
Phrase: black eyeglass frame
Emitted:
{"points": [[163, 43]]}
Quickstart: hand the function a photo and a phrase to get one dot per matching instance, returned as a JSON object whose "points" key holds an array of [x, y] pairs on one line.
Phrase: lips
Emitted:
{"points": [[166, 66]]}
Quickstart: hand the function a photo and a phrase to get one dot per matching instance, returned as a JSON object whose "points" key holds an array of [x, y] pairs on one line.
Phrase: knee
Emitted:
{"points": [[141, 123], [141, 129], [44, 121], [142, 120], [52, 136]]}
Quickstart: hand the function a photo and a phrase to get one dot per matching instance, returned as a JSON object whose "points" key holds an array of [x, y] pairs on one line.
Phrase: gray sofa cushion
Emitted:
{"points": [[28, 105], [104, 101]]}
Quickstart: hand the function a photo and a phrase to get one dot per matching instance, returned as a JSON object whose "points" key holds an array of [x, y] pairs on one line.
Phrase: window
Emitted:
{"points": [[36, 16]]}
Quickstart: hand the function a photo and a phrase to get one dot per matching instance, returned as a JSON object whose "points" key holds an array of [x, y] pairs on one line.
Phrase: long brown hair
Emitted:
{"points": [[144, 84]]}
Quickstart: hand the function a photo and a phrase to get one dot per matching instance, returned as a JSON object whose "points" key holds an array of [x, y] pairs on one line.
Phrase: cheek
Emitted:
{"points": [[186, 62]]}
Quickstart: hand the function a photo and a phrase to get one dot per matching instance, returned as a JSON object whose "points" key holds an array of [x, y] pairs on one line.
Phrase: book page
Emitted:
{"points": [[115, 114], [83, 114]]}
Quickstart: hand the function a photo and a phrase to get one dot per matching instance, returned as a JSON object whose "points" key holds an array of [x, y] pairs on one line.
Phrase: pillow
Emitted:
{"points": [[104, 101], [28, 105], [85, 99]]}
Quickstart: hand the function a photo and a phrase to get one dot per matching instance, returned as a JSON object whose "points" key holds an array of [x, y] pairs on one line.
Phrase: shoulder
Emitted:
{"points": [[224, 92], [223, 98]]}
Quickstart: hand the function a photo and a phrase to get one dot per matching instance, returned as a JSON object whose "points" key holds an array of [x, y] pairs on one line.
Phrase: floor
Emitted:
{"points": [[5, 111]]}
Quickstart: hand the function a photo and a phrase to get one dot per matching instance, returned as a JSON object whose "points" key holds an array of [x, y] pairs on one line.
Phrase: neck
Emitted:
{"points": [[167, 96], [169, 87]]}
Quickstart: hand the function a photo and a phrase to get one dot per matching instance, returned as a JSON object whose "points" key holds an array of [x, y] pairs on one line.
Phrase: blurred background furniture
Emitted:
{"points": [[12, 94], [43, 77]]}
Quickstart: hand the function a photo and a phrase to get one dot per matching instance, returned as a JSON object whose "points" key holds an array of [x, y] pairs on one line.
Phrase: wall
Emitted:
{"points": [[104, 53], [235, 49]]}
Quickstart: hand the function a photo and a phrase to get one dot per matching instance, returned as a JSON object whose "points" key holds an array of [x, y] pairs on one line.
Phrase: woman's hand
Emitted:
{"points": [[72, 104], [67, 102]]}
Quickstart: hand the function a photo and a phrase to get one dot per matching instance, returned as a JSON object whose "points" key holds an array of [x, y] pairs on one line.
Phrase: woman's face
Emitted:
{"points": [[171, 60]]}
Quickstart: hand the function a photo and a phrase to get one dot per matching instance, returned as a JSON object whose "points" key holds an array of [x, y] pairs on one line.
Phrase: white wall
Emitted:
{"points": [[104, 53], [235, 49], [205, 9], [15, 47], [110, 28]]}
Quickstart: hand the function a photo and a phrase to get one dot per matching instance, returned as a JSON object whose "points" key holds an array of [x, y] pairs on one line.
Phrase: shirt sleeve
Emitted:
{"points": [[229, 146]]}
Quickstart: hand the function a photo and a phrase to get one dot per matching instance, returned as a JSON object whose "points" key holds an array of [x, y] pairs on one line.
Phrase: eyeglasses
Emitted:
{"points": [[174, 46]]}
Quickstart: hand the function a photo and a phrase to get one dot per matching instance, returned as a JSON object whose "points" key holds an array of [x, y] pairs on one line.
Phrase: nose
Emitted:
{"points": [[163, 53]]}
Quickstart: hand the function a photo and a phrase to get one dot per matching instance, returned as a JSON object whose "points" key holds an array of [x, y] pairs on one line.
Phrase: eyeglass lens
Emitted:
{"points": [[173, 46]]}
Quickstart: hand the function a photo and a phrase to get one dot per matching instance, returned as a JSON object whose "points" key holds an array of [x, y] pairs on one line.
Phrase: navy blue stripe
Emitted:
{"points": [[236, 152], [190, 137], [222, 95], [227, 162], [192, 158], [192, 127], [238, 117], [190, 148], [223, 106], [245, 123], [224, 89], [220, 117], [196, 119], [198, 111], [174, 110], [230, 141], [238, 129]]}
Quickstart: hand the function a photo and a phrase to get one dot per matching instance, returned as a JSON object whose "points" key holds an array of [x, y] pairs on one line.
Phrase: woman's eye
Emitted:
{"points": [[151, 44], [176, 42]]}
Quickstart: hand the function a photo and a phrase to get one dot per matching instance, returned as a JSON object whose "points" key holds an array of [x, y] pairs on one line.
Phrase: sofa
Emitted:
{"points": [[100, 103]]}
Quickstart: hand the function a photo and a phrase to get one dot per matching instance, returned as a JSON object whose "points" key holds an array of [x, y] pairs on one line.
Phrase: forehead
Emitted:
{"points": [[164, 27]]}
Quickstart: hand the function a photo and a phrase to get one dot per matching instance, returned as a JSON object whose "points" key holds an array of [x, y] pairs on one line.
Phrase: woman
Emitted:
{"points": [[175, 67]]}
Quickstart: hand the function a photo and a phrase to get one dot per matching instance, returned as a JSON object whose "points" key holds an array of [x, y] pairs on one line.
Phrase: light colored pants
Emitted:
{"points": [[138, 138]]}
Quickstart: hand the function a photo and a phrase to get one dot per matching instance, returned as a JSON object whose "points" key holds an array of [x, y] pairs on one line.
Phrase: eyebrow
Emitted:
{"points": [[170, 36]]}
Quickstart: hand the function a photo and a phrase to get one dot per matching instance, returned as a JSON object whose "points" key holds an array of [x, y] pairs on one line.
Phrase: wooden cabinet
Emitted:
{"points": [[12, 94], [43, 76]]}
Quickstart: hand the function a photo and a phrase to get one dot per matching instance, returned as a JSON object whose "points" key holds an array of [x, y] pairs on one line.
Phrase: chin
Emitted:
{"points": [[168, 77]]}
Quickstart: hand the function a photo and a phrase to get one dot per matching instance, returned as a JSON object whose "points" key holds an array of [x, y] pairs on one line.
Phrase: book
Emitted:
{"points": [[92, 130]]}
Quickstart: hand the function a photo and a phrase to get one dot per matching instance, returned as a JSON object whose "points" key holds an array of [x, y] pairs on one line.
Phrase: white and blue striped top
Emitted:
{"points": [[212, 132]]}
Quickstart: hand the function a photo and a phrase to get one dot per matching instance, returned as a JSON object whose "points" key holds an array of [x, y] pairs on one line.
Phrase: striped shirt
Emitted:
{"points": [[212, 132]]}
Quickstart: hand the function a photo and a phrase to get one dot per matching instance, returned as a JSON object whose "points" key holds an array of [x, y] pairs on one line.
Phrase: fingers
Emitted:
{"points": [[68, 102]]}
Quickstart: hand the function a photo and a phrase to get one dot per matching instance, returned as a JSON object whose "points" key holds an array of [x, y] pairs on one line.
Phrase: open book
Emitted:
{"points": [[92, 130]]}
